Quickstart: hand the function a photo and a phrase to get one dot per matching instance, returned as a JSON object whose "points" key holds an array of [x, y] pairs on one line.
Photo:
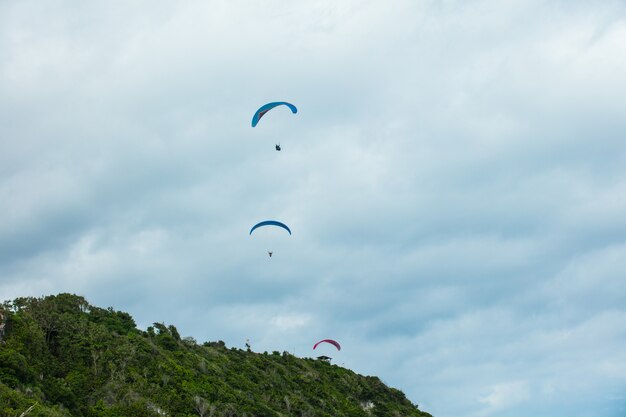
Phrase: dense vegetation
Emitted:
{"points": [[60, 356]]}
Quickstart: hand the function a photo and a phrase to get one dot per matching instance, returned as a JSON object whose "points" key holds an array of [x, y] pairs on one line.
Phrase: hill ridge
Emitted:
{"points": [[69, 358]]}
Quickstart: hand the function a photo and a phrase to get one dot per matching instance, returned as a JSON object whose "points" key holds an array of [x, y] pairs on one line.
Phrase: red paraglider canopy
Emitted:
{"points": [[332, 342]]}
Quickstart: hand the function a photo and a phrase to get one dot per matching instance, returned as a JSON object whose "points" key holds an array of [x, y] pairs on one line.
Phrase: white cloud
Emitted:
{"points": [[290, 322], [506, 395]]}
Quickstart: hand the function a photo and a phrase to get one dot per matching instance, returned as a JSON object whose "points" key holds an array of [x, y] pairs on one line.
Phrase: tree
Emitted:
{"points": [[202, 406]]}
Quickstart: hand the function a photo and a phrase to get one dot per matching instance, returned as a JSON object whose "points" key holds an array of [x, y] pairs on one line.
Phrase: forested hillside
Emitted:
{"points": [[60, 356]]}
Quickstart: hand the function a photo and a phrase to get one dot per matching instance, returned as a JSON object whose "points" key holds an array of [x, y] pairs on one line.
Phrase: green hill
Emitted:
{"points": [[68, 358]]}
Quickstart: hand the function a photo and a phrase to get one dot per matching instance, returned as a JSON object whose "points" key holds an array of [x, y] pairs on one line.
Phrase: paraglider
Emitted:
{"points": [[270, 223], [269, 106], [332, 342]]}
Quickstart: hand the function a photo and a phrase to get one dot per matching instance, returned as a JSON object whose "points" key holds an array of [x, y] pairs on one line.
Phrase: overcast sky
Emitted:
{"points": [[455, 180]]}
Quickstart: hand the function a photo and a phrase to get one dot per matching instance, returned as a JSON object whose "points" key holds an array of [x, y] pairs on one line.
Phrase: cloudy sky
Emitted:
{"points": [[455, 180]]}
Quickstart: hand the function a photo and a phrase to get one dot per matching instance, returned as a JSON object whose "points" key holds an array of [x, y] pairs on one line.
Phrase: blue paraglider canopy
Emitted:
{"points": [[269, 106], [270, 223]]}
